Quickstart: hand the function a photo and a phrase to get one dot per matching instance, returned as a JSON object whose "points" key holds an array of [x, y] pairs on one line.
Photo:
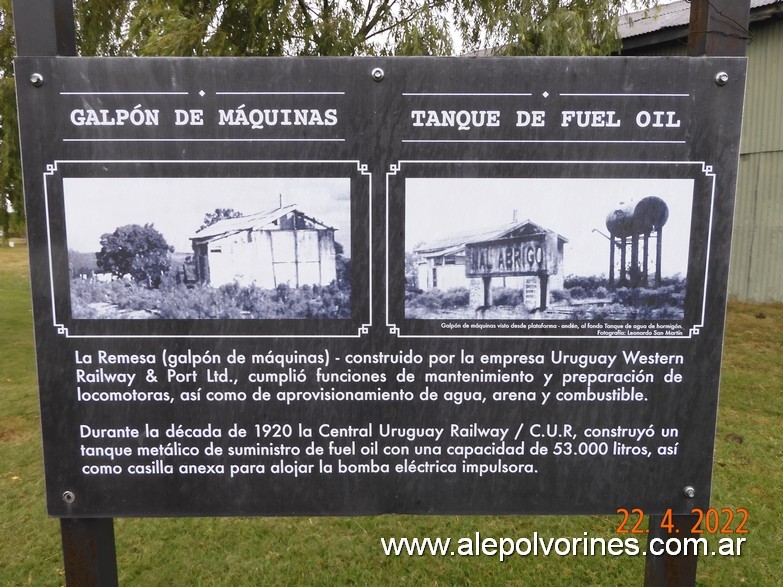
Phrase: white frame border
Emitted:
{"points": [[694, 330], [52, 168]]}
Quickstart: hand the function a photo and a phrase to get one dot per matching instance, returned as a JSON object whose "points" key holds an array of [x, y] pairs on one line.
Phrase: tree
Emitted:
{"points": [[312, 27], [350, 27], [11, 201], [135, 250], [219, 214]]}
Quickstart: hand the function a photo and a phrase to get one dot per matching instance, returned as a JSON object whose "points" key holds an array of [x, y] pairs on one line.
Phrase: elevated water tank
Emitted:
{"points": [[643, 217]]}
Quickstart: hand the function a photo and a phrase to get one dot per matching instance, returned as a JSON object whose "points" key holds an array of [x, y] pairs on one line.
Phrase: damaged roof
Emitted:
{"points": [[456, 242], [258, 221]]}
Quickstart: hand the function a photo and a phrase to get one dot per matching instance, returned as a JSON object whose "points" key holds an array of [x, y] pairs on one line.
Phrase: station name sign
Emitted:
{"points": [[514, 256]]}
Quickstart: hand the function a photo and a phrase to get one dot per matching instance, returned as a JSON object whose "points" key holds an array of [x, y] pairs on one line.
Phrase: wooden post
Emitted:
{"points": [[543, 285], [717, 28], [487, 291], [46, 28]]}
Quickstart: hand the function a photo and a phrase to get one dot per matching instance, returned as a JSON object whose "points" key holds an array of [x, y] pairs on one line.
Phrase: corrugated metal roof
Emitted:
{"points": [[459, 240], [676, 14], [256, 221]]}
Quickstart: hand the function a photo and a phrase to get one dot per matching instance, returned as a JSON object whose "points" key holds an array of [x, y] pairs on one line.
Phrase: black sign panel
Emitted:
{"points": [[258, 286]]}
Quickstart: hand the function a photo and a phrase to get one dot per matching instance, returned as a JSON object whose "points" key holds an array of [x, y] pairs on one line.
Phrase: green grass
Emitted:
{"points": [[346, 551]]}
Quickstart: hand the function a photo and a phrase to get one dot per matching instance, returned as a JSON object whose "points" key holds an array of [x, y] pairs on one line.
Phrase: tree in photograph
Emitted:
{"points": [[219, 214], [135, 250], [342, 267]]}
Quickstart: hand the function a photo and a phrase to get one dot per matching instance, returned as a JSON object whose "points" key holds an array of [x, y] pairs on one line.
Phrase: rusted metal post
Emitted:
{"points": [[719, 28], [89, 552], [46, 28], [668, 570]]}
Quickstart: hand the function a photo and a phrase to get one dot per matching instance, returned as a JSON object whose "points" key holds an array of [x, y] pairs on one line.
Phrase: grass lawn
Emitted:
{"points": [[337, 551]]}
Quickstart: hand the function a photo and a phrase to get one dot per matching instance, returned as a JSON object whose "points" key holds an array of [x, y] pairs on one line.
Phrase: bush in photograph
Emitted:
{"points": [[81, 264], [81, 310], [667, 295], [458, 297], [180, 302], [427, 300], [135, 250], [435, 299], [507, 296], [197, 303], [588, 284], [578, 292]]}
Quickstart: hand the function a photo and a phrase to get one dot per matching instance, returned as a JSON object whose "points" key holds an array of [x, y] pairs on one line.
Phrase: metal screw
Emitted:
{"points": [[69, 497], [688, 491], [721, 78], [36, 79], [377, 74]]}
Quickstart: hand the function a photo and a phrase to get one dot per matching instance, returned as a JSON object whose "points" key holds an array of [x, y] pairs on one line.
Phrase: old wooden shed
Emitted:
{"points": [[267, 249]]}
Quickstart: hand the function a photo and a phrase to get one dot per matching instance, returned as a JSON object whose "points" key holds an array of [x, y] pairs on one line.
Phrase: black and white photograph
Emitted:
{"points": [[547, 248], [193, 248]]}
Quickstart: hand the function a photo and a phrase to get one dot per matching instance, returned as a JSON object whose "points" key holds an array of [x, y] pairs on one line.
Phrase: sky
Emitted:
{"points": [[177, 206], [436, 208]]}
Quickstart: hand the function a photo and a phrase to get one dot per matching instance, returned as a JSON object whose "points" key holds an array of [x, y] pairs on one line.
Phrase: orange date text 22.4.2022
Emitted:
{"points": [[710, 521]]}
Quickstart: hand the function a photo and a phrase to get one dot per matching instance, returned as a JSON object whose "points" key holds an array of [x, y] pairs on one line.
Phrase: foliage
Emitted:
{"points": [[81, 263], [411, 272], [139, 251], [179, 302], [12, 213], [582, 298], [592, 300], [436, 299], [308, 27], [342, 267], [219, 214], [336, 27], [507, 296]]}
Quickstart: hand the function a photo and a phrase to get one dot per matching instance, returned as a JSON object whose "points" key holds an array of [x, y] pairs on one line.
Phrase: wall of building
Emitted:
{"points": [[270, 258], [757, 244]]}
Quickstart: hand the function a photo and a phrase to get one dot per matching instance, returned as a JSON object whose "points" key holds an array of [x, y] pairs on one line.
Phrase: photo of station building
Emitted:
{"points": [[267, 249], [446, 263]]}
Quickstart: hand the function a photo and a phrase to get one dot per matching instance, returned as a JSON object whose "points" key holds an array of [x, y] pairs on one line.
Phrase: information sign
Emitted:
{"points": [[362, 286]]}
